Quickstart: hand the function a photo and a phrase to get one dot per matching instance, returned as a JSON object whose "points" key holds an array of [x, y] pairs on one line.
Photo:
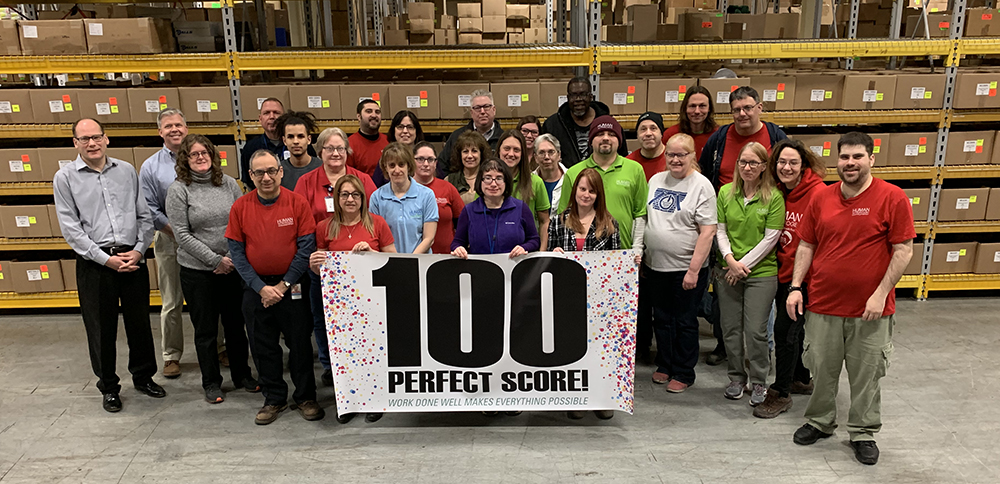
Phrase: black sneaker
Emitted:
{"points": [[808, 435], [716, 357], [327, 377], [866, 452], [372, 417], [343, 419], [112, 402]]}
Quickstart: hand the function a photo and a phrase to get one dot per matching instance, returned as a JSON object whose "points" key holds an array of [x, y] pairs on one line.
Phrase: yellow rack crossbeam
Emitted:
{"points": [[423, 58], [774, 50], [46, 243], [63, 299], [974, 227], [8, 131], [25, 188], [90, 64], [963, 282]]}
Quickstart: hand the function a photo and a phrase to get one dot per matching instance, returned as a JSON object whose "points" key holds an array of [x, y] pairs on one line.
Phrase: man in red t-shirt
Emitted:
{"points": [[368, 142], [857, 237], [271, 233], [649, 131]]}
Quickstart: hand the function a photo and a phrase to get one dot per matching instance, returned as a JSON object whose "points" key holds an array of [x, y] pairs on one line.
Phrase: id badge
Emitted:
{"points": [[329, 204], [296, 292]]}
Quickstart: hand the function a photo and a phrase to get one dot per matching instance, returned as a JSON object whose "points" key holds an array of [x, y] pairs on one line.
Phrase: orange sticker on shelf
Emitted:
{"points": [[826, 145], [993, 92], [375, 96], [423, 94], [113, 101], [878, 141], [25, 158], [987, 16], [65, 98], [43, 268], [631, 89], [733, 88], [682, 88], [163, 99], [706, 25], [979, 149], [781, 86], [923, 140], [944, 25], [222, 154]]}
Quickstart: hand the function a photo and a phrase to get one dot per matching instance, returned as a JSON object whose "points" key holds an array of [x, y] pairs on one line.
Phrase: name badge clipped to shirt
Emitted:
{"points": [[296, 292], [329, 204]]}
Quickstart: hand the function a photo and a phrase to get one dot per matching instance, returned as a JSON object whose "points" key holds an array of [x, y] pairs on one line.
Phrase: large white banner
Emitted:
{"points": [[434, 333]]}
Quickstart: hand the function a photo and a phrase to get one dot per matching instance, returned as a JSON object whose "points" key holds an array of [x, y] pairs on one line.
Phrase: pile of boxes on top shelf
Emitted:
{"points": [[454, 22]]}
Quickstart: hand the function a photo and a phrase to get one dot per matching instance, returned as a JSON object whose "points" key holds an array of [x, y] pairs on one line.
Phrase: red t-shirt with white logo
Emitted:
{"points": [[853, 241], [271, 232]]}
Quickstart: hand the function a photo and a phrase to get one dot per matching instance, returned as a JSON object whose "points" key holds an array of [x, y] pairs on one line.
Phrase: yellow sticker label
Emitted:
{"points": [[68, 106], [876, 149], [630, 100], [163, 106], [972, 199], [326, 103], [214, 106], [828, 95], [1, 276], [27, 167], [114, 109], [32, 220], [423, 103], [524, 97], [879, 96], [16, 108], [993, 84], [961, 252], [45, 275], [934, 9], [224, 162], [916, 201], [826, 152], [781, 96], [922, 149], [979, 142], [680, 97], [927, 94]]}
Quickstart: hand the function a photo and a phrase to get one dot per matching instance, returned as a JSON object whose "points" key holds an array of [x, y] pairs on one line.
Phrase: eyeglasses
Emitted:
{"points": [[88, 139], [546, 153], [335, 149], [676, 156], [482, 107], [489, 180], [425, 159], [198, 154], [271, 172], [751, 164], [406, 127], [737, 110], [789, 163], [529, 132], [577, 95], [354, 195]]}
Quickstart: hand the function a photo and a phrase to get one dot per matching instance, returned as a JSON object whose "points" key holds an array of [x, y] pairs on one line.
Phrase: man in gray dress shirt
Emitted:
{"points": [[104, 218]]}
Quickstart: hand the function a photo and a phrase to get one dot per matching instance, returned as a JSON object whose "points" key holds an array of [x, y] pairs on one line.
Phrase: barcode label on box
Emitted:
{"points": [[722, 97], [412, 102], [34, 275], [96, 29], [816, 95], [152, 106], [205, 106], [16, 166], [983, 89], [56, 106], [770, 95], [620, 98], [63, 163], [952, 256], [671, 96], [962, 204], [514, 101], [912, 150], [562, 100], [22, 221], [5, 107], [969, 146], [30, 31], [917, 92], [314, 101], [869, 96], [260, 101], [817, 149], [464, 101], [996, 256], [103, 109]]}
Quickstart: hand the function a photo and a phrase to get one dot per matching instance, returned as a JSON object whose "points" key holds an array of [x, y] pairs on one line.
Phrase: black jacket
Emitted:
{"points": [[711, 154], [444, 157], [561, 125]]}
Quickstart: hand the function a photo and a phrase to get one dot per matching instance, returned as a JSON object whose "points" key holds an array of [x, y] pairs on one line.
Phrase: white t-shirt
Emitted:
{"points": [[674, 210]]}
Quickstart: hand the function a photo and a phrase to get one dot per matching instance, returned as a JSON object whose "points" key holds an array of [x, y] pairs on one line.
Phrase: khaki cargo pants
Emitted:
{"points": [[865, 347]]}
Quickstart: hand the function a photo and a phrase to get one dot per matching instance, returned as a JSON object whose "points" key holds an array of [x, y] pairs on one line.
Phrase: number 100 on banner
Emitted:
{"points": [[433, 333]]}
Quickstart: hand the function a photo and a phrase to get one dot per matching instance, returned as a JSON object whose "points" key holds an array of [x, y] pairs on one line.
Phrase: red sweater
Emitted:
{"points": [[796, 203]]}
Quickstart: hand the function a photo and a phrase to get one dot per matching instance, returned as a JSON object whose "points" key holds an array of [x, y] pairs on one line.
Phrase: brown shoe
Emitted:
{"points": [[799, 388], [224, 358], [773, 405], [268, 414], [311, 410], [171, 369]]}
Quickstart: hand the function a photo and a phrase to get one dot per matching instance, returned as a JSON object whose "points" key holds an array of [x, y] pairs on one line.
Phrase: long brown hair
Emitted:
{"points": [[467, 139], [183, 168], [767, 183], [333, 230], [682, 117], [603, 222], [809, 161], [522, 171]]}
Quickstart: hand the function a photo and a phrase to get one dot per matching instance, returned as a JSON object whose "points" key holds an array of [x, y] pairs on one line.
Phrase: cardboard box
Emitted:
{"points": [[229, 161], [919, 91], [955, 258], [538, 35], [10, 41], [397, 37], [721, 88], [6, 279], [987, 259], [211, 104], [40, 276], [519, 11], [920, 201], [869, 92], [422, 38], [818, 91], [494, 24], [665, 95], [456, 99], [703, 26], [129, 36], [469, 10], [142, 153], [467, 25], [824, 146], [552, 95], [68, 267], [352, 94], [516, 99], [969, 148], [982, 22], [957, 204], [911, 149], [494, 8], [642, 22], [423, 99], [420, 11], [104, 105], [777, 93], [470, 37], [52, 37], [940, 24], [445, 37], [323, 100], [154, 283], [21, 221], [251, 98], [916, 261], [448, 22], [21, 165], [50, 160], [882, 149], [421, 26], [976, 90], [537, 13], [615, 34], [767, 26], [145, 104], [668, 32], [15, 106], [51, 106], [993, 205], [624, 96], [54, 228]]}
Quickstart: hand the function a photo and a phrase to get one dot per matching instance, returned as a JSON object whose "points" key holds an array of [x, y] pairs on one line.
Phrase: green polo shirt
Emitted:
{"points": [[540, 199], [745, 225], [625, 191]]}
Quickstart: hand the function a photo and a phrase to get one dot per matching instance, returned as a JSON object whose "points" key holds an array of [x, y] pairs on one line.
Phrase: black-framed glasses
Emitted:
{"points": [[88, 139], [354, 195], [271, 172], [199, 154], [482, 107], [335, 149], [746, 109], [425, 159], [751, 164]]}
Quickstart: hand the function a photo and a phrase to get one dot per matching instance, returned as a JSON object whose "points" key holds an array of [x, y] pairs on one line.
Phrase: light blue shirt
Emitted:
{"points": [[156, 176], [406, 216]]}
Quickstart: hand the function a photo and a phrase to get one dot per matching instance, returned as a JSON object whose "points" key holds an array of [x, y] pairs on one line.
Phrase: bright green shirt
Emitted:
{"points": [[745, 225], [540, 196], [625, 191]]}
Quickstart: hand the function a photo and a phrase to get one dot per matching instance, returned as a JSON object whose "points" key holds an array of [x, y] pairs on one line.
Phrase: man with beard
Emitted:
{"points": [[270, 110], [571, 124], [484, 113], [718, 158], [367, 143]]}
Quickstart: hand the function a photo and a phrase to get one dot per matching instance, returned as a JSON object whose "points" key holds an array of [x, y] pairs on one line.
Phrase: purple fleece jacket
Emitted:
{"points": [[510, 225]]}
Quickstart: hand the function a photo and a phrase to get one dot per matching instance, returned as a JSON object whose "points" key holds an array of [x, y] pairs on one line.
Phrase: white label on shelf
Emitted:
{"points": [[818, 150], [63, 163], [917, 92], [260, 101], [912, 150], [314, 101], [109, 76], [620, 98], [205, 106], [5, 107], [464, 101], [56, 106], [722, 97], [869, 96], [969, 146], [412, 102], [513, 100], [996, 256], [103, 109], [34, 275], [562, 100], [30, 31], [817, 95], [16, 166], [61, 79], [770, 95], [952, 256], [96, 29], [962, 204], [983, 89], [22, 221], [671, 96], [152, 106]]}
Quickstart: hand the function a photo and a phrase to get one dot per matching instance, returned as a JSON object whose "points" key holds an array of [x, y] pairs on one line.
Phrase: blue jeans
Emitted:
{"points": [[319, 319]]}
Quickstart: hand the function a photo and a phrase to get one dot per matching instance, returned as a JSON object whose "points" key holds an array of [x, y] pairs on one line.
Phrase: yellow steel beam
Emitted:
{"points": [[439, 126], [963, 282], [975, 115], [112, 130], [851, 118], [910, 282], [971, 171], [26, 188], [893, 173], [978, 46], [774, 50], [88, 64], [974, 227], [48, 243], [63, 299], [922, 228]]}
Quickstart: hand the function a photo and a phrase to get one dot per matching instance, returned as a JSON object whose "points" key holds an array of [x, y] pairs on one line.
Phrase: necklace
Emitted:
{"points": [[350, 230]]}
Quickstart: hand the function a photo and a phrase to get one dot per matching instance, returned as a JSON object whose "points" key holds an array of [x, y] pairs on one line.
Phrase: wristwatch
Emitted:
{"points": [[794, 288], [287, 284]]}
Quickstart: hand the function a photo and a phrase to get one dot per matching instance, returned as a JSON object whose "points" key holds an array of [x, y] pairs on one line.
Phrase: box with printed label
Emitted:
{"points": [[993, 205], [229, 161], [824, 146], [776, 92], [10, 42], [153, 277], [721, 88], [818, 91], [445, 37], [252, 97], [15, 106], [987, 259], [25, 221], [881, 149], [552, 95], [52, 106], [21, 165], [6, 281], [919, 91], [958, 204], [666, 95], [703, 26], [104, 105], [969, 147], [50, 160], [976, 90], [516, 99], [141, 153], [982, 22], [323, 100], [920, 201], [624, 96], [54, 226], [129, 36], [869, 92], [52, 37], [124, 154], [494, 24], [68, 267], [916, 260], [469, 10], [456, 99], [209, 104], [470, 38], [352, 94], [911, 149], [144, 104], [494, 7], [955, 258], [40, 276], [423, 99], [470, 25]]}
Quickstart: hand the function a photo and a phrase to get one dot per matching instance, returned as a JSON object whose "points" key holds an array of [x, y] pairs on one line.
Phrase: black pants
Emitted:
{"points": [[675, 322], [210, 296], [644, 315], [291, 318], [100, 291], [788, 337]]}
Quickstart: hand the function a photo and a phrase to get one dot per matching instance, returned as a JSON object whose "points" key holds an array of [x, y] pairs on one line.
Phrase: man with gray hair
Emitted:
{"points": [[483, 112]]}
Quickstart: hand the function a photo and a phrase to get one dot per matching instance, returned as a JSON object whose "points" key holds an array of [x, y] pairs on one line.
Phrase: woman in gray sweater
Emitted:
{"points": [[198, 206]]}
